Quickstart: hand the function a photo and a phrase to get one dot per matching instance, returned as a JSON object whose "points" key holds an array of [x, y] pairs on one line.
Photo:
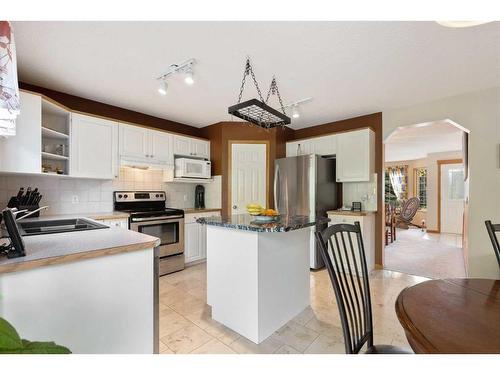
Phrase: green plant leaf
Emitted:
{"points": [[9, 338], [40, 347]]}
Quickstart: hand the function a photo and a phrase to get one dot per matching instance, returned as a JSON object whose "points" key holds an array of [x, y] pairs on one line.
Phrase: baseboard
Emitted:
{"points": [[433, 231]]}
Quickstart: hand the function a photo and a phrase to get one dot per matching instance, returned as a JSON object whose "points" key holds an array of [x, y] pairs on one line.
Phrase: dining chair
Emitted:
{"points": [[342, 249], [493, 229]]}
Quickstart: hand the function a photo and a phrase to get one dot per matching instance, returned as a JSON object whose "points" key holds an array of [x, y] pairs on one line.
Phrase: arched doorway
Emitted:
{"points": [[426, 199]]}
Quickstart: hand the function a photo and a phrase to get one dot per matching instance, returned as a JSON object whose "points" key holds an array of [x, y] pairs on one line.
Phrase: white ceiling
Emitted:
{"points": [[349, 68], [416, 142]]}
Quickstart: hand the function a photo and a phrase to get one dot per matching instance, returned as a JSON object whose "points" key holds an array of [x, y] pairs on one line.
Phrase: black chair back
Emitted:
{"points": [[492, 230], [341, 246]]}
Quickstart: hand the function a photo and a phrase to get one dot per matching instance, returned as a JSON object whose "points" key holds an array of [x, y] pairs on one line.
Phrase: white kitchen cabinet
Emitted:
{"points": [[161, 147], [326, 145], [186, 146], [195, 236], [367, 224], [200, 148], [134, 142], [355, 155], [145, 145], [93, 147], [115, 223], [21, 153]]}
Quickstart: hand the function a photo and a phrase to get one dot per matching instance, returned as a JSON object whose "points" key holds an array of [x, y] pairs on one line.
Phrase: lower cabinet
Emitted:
{"points": [[367, 224], [195, 237], [119, 223]]}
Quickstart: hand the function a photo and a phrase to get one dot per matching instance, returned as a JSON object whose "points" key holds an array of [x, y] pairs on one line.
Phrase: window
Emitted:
{"points": [[456, 184], [420, 178], [390, 196]]}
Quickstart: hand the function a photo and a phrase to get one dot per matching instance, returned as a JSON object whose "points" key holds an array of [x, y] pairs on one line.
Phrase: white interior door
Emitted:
{"points": [[452, 198], [248, 176]]}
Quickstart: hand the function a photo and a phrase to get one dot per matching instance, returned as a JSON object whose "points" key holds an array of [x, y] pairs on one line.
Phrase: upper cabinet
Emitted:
{"points": [[93, 147], [355, 155], [326, 145], [145, 145], [21, 153], [354, 150], [134, 142], [186, 146], [161, 147]]}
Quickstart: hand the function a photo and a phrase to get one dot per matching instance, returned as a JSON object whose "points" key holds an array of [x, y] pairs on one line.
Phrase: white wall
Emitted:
{"points": [[364, 192], [480, 113], [94, 196]]}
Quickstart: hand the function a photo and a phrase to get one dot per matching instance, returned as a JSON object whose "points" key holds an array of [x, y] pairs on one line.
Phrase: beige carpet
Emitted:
{"points": [[437, 256]]}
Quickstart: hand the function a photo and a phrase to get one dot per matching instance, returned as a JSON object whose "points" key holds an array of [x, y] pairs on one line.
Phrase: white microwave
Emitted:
{"points": [[192, 168]]}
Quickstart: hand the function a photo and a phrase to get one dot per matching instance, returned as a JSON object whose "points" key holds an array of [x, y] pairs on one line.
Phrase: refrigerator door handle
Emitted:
{"points": [[276, 176]]}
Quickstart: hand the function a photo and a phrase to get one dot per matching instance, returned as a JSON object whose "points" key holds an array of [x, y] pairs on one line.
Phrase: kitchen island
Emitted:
{"points": [[94, 291], [257, 274]]}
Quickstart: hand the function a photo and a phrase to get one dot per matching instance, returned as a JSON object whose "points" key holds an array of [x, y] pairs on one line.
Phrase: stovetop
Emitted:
{"points": [[143, 204]]}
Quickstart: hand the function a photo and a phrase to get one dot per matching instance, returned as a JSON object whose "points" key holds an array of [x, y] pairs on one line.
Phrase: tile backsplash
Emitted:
{"points": [[364, 192], [73, 195]]}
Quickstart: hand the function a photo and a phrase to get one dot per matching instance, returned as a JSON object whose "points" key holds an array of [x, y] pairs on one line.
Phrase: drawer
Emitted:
{"points": [[343, 219], [191, 218]]}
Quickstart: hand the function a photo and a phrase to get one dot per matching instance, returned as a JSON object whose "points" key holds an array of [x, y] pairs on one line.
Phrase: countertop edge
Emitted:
{"points": [[351, 213], [190, 211], [247, 228], [89, 254]]}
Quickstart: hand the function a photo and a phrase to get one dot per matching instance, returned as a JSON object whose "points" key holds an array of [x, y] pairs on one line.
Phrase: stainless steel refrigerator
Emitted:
{"points": [[305, 185]]}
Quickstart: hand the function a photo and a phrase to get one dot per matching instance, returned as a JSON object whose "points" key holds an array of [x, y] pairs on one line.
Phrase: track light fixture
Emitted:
{"points": [[295, 107], [185, 67], [163, 87]]}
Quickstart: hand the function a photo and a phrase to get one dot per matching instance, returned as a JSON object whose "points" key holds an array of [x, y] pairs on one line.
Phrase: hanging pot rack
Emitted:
{"points": [[258, 111]]}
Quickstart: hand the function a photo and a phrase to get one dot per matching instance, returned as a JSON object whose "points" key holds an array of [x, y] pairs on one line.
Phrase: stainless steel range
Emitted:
{"points": [[149, 215]]}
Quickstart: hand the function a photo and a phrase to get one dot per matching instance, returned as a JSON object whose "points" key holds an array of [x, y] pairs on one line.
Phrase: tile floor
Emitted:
{"points": [[186, 325], [434, 255]]}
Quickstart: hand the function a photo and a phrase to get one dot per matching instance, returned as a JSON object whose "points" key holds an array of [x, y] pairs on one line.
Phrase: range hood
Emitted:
{"points": [[139, 164]]}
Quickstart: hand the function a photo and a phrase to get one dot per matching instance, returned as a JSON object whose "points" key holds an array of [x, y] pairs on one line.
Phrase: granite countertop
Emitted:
{"points": [[48, 249], [350, 213], [198, 210], [247, 222]]}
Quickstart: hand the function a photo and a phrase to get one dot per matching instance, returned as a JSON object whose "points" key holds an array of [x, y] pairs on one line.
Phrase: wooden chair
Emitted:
{"points": [[493, 229], [346, 265], [390, 224], [408, 211]]}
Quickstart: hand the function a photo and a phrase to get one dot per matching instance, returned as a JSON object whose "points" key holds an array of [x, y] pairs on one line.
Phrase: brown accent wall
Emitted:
{"points": [[92, 107], [222, 133], [373, 121]]}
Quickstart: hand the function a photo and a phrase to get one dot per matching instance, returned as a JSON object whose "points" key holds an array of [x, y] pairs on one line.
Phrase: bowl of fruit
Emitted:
{"points": [[262, 214]]}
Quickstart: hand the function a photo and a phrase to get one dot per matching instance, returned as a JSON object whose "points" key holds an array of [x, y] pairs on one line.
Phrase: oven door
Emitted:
{"points": [[170, 231]]}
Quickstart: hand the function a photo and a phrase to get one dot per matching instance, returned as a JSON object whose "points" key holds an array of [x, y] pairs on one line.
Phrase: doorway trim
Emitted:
{"points": [[230, 166], [439, 163]]}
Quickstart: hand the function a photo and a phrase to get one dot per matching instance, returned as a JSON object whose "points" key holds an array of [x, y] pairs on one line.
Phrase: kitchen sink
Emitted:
{"points": [[35, 227]]}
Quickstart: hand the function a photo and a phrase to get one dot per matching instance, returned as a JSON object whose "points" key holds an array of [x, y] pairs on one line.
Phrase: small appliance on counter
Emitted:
{"points": [[356, 206], [199, 197], [149, 215]]}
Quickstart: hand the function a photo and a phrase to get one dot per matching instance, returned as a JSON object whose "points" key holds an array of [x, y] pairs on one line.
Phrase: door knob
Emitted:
{"points": [[235, 207]]}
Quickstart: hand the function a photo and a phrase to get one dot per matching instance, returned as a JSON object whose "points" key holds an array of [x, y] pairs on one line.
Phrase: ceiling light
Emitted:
{"points": [[163, 88], [295, 111], [295, 106], [184, 67], [189, 79], [458, 24]]}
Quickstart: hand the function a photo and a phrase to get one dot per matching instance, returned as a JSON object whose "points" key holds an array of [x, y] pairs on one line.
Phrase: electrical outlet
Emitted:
{"points": [[185, 197], [74, 199]]}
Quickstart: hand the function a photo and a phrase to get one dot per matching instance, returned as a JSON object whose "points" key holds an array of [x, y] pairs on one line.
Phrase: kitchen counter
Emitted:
{"points": [[49, 249], [188, 211], [248, 223], [350, 213], [81, 289]]}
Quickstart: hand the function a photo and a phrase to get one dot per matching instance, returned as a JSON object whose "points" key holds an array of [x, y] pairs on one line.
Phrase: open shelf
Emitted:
{"points": [[50, 133], [48, 155]]}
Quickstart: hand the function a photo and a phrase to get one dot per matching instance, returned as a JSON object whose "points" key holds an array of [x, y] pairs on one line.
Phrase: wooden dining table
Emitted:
{"points": [[451, 316]]}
